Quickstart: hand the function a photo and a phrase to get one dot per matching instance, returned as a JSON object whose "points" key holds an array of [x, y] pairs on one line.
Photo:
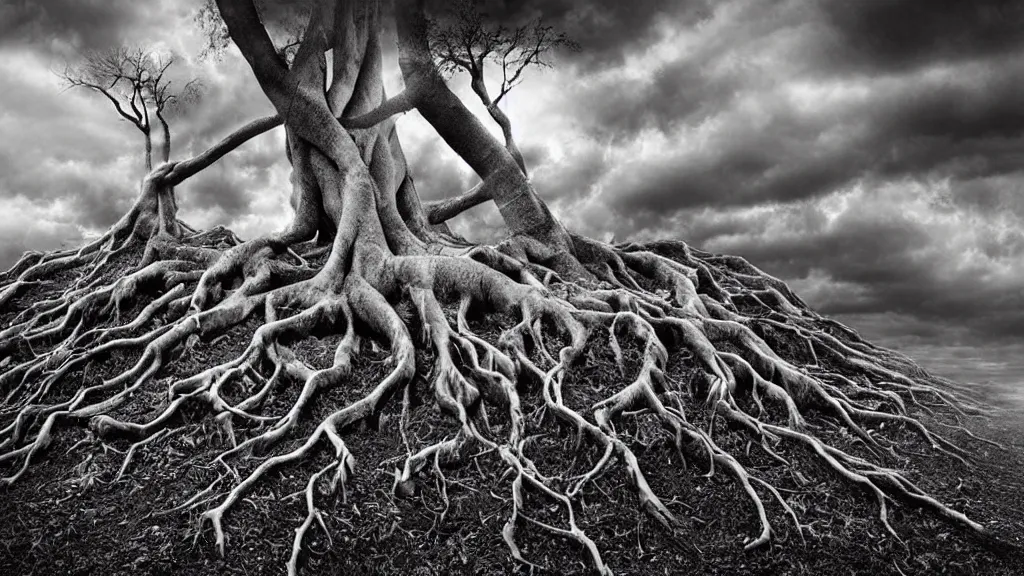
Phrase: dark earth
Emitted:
{"points": [[69, 514]]}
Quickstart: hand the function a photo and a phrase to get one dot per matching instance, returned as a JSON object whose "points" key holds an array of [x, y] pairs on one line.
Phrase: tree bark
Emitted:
{"points": [[499, 116], [148, 151], [167, 137], [187, 168], [523, 211], [347, 194]]}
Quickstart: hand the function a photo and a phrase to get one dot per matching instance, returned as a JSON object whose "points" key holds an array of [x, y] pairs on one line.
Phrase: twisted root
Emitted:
{"points": [[731, 321]]}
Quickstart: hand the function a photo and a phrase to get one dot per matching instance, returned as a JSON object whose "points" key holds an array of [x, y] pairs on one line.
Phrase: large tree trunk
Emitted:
{"points": [[506, 184], [388, 274]]}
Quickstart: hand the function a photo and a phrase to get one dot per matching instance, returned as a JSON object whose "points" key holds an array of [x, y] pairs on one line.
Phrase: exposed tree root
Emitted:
{"points": [[699, 340], [731, 321]]}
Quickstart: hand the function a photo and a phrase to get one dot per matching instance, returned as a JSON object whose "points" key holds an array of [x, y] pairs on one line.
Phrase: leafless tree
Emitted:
{"points": [[364, 257], [166, 98], [465, 41], [135, 82]]}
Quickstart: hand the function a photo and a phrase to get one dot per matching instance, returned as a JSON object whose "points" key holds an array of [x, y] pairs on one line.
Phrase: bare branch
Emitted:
{"points": [[72, 80], [135, 81], [465, 41], [402, 102], [187, 168]]}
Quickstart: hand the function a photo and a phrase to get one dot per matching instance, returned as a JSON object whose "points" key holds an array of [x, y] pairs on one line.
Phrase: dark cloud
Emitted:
{"points": [[82, 25], [52, 231], [692, 83], [860, 263], [232, 184], [746, 172], [534, 155], [989, 107], [968, 130], [679, 92], [958, 128], [988, 196], [216, 188], [870, 153], [606, 30], [896, 35], [436, 170], [565, 181]]}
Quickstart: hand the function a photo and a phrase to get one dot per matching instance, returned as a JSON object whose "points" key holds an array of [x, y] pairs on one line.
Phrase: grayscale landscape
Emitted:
{"points": [[511, 286]]}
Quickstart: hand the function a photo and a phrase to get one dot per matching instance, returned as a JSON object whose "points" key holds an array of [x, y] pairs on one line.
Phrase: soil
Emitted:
{"points": [[69, 515]]}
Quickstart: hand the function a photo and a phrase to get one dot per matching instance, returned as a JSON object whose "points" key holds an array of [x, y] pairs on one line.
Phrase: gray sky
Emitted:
{"points": [[869, 153]]}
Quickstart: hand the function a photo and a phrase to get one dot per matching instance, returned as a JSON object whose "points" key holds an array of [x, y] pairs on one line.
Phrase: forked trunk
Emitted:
{"points": [[735, 335], [521, 208]]}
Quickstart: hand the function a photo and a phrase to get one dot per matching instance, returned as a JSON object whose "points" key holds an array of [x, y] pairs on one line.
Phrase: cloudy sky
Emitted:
{"points": [[871, 153]]}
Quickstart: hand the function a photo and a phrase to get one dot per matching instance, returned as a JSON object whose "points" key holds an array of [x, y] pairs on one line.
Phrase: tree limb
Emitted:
{"points": [[398, 104], [499, 116], [190, 167], [296, 92], [167, 135], [444, 210], [522, 210], [117, 105]]}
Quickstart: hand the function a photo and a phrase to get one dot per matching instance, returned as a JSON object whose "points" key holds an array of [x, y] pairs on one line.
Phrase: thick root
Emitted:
{"points": [[763, 362]]}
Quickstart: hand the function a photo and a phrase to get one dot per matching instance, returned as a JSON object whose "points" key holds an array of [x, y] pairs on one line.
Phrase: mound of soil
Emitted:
{"points": [[81, 509]]}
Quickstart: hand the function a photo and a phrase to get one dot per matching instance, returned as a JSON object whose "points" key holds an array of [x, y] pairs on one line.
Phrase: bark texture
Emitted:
{"points": [[361, 259]]}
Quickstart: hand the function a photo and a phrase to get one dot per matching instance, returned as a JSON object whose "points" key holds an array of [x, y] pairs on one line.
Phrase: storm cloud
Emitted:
{"points": [[869, 153]]}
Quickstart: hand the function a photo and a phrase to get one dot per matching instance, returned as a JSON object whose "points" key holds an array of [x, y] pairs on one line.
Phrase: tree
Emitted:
{"points": [[164, 99], [135, 82], [361, 260], [468, 42], [465, 41]]}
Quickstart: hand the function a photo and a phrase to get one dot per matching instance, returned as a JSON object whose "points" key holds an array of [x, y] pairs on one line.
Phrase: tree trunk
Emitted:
{"points": [[523, 211], [149, 151], [499, 116], [167, 137]]}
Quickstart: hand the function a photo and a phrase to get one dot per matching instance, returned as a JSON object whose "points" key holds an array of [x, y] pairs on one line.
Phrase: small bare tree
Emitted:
{"points": [[720, 354], [135, 81], [165, 99], [466, 41]]}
